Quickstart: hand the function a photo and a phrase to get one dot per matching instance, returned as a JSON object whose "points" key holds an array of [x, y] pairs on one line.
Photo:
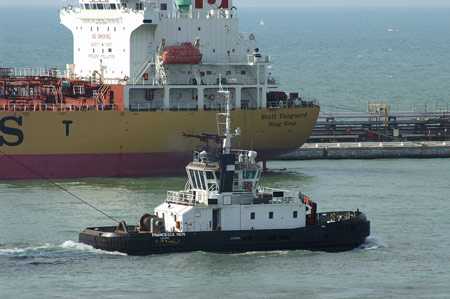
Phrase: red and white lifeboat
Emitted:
{"points": [[185, 53]]}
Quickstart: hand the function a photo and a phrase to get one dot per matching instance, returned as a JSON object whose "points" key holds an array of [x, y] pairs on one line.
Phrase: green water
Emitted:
{"points": [[406, 255]]}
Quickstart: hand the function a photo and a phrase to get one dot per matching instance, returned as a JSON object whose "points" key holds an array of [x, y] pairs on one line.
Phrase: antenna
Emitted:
{"points": [[228, 135]]}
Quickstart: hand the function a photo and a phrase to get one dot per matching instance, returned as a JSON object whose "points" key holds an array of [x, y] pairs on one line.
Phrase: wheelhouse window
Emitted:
{"points": [[212, 187], [163, 6], [249, 175], [236, 180], [113, 6], [194, 183], [270, 215], [202, 179], [209, 175], [295, 214]]}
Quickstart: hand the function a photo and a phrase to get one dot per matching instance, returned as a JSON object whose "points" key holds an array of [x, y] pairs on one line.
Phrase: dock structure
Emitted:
{"points": [[382, 126], [370, 150], [378, 133]]}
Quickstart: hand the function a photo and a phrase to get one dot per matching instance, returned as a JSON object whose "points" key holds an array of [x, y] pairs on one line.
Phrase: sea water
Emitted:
{"points": [[343, 57]]}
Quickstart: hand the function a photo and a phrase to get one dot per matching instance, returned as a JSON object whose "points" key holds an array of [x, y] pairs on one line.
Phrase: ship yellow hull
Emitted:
{"points": [[126, 143]]}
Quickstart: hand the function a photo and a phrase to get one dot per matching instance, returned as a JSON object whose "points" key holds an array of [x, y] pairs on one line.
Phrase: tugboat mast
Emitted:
{"points": [[227, 114]]}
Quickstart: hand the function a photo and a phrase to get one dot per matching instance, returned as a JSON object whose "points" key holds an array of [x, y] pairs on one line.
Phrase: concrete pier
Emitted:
{"points": [[370, 150]]}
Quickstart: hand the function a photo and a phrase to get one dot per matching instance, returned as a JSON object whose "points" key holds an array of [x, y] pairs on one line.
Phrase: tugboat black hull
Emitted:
{"points": [[325, 236]]}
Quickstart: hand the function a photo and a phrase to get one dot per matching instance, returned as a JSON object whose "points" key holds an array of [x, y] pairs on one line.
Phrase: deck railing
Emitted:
{"points": [[57, 107], [182, 197]]}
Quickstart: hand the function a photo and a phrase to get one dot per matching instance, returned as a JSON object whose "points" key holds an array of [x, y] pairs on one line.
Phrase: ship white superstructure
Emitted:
{"points": [[122, 42]]}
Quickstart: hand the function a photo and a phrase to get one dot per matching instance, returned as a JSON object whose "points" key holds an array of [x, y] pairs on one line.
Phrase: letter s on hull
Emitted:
{"points": [[6, 130]]}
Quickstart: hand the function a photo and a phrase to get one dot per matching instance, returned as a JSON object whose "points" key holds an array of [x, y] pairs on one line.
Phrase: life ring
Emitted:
{"points": [[252, 36], [211, 97], [248, 186]]}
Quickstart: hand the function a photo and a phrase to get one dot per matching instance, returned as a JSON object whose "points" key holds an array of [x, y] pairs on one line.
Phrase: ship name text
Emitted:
{"points": [[6, 129], [290, 116], [283, 119], [168, 235]]}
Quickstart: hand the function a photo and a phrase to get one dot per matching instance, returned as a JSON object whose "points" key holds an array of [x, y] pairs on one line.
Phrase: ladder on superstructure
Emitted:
{"points": [[160, 72], [140, 73], [102, 92]]}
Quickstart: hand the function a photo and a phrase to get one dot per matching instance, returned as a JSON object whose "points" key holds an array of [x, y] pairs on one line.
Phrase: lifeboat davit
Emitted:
{"points": [[185, 53]]}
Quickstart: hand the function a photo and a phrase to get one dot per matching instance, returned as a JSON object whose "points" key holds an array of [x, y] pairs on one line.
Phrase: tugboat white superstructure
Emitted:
{"points": [[224, 209]]}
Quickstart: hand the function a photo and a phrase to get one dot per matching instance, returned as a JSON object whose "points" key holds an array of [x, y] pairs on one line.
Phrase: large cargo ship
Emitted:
{"points": [[144, 74]]}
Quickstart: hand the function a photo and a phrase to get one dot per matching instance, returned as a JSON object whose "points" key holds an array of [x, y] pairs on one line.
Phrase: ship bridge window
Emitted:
{"points": [[163, 6], [236, 180], [209, 175], [194, 183], [100, 6], [249, 175], [200, 174], [212, 187], [112, 6]]}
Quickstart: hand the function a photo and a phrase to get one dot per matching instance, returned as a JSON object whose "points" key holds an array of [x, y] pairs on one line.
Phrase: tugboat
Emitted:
{"points": [[223, 209]]}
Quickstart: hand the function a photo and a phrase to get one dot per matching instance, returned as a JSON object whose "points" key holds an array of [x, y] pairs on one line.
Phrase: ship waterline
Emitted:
{"points": [[126, 143]]}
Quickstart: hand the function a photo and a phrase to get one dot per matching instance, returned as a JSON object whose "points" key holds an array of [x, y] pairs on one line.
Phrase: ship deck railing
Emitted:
{"points": [[292, 103], [219, 107], [183, 197], [32, 72], [58, 107], [330, 217]]}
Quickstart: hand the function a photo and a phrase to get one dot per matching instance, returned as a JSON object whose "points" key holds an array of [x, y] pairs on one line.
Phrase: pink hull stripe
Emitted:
{"points": [[100, 165], [91, 165]]}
